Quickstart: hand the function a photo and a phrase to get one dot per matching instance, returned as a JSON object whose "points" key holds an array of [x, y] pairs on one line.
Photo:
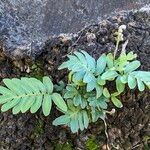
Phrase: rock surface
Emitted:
{"points": [[26, 24]]}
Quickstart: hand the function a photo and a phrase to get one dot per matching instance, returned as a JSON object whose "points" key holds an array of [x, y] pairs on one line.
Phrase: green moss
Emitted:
{"points": [[65, 146], [146, 141], [91, 144], [58, 146]]}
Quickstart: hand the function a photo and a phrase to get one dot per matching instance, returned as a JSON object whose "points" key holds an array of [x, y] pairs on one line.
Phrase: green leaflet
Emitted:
{"points": [[121, 62], [109, 75], [99, 91], [116, 102], [84, 103], [64, 119], [91, 86], [100, 81], [119, 85], [101, 64], [85, 119], [9, 105], [124, 79], [47, 104], [106, 93], [92, 102], [37, 104], [60, 87], [115, 94], [69, 94], [131, 56], [141, 85], [78, 76], [13, 86], [132, 66], [6, 98], [96, 114], [40, 86], [81, 57], [74, 125], [110, 61], [30, 85], [131, 82], [48, 84], [6, 91], [90, 60], [22, 86], [17, 108], [71, 91], [142, 75], [58, 100], [102, 103], [98, 103], [80, 120], [27, 103], [77, 100], [88, 77]]}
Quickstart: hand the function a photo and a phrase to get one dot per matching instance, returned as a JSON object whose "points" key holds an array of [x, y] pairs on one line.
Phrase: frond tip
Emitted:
{"points": [[25, 94]]}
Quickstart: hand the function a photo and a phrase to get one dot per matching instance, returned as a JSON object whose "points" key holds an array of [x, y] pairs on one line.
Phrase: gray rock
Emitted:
{"points": [[25, 25]]}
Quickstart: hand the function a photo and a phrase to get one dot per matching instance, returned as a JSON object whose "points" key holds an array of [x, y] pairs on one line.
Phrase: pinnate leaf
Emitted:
{"points": [[101, 64]]}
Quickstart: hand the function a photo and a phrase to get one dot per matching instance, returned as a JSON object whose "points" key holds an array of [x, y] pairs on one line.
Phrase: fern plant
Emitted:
{"points": [[88, 89], [29, 94], [87, 95]]}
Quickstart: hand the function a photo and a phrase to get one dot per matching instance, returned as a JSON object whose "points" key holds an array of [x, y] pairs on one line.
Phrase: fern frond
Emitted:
{"points": [[29, 94]]}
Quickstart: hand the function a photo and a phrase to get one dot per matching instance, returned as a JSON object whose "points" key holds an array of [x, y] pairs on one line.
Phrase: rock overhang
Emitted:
{"points": [[25, 26]]}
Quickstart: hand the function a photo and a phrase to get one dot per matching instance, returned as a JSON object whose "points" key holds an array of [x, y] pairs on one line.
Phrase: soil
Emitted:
{"points": [[128, 128]]}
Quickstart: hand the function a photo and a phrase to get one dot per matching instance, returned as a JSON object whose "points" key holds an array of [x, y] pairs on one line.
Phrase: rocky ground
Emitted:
{"points": [[128, 128]]}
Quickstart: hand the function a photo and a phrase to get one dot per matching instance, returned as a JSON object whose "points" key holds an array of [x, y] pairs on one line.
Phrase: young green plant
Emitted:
{"points": [[87, 96]]}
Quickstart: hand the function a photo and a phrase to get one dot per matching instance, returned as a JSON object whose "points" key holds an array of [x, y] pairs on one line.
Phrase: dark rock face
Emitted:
{"points": [[26, 24]]}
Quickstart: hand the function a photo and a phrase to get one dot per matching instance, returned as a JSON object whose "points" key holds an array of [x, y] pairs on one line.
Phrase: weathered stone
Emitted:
{"points": [[26, 24]]}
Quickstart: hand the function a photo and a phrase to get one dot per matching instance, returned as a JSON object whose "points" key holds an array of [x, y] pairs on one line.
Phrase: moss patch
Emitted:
{"points": [[65, 146], [146, 141], [91, 144]]}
